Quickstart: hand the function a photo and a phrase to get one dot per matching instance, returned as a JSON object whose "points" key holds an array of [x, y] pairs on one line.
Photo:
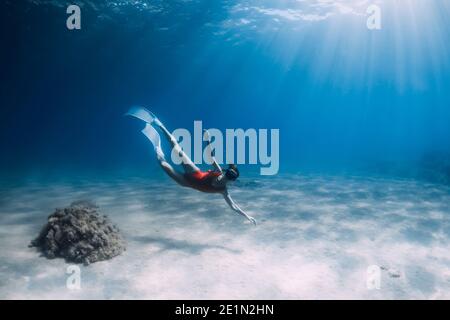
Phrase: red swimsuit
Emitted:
{"points": [[204, 181]]}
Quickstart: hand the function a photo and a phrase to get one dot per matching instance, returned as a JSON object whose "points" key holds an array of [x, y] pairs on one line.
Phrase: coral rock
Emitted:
{"points": [[79, 234]]}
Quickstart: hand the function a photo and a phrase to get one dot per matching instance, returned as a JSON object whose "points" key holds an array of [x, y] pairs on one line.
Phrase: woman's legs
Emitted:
{"points": [[153, 136], [188, 165], [148, 117]]}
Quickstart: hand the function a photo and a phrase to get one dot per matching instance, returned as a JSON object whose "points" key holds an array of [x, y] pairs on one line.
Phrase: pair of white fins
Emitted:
{"points": [[148, 117]]}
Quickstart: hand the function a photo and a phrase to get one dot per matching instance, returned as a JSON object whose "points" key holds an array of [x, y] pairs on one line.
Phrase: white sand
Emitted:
{"points": [[316, 237]]}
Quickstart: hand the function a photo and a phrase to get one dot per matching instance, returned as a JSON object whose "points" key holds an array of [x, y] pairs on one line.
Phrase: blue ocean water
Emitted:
{"points": [[343, 96], [364, 120]]}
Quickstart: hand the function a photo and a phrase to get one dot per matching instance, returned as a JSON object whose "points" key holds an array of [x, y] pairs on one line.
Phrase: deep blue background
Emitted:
{"points": [[342, 99]]}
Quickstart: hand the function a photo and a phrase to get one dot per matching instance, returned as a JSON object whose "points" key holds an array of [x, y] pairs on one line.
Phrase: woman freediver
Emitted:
{"points": [[211, 181]]}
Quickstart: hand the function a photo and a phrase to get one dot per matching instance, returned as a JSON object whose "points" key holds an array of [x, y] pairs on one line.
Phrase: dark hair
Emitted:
{"points": [[232, 173]]}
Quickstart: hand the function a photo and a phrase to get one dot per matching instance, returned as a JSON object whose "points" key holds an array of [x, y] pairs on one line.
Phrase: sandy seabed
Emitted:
{"points": [[316, 238]]}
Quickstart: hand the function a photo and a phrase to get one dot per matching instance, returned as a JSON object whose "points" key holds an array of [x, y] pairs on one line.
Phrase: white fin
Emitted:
{"points": [[153, 136], [142, 114]]}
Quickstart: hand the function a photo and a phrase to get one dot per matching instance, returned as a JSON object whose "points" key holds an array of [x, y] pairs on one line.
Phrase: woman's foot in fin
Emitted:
{"points": [[143, 114]]}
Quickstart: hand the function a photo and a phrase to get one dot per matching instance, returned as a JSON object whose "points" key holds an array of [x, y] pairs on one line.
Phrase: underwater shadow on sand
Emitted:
{"points": [[186, 246]]}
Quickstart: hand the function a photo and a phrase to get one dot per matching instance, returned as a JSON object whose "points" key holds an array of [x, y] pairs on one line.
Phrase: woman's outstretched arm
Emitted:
{"points": [[236, 208]]}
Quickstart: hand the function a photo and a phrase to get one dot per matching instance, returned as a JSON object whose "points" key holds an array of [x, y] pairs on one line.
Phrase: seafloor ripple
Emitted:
{"points": [[316, 237]]}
